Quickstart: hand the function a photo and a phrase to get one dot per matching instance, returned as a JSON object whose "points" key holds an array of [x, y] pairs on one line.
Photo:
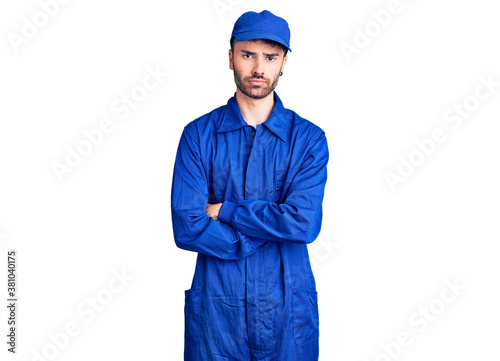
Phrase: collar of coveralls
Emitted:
{"points": [[276, 123]]}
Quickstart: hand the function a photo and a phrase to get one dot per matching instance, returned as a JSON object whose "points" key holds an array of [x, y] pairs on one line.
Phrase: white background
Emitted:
{"points": [[382, 253]]}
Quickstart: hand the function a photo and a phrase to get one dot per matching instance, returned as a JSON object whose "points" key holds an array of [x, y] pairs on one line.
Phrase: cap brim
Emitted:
{"points": [[252, 35]]}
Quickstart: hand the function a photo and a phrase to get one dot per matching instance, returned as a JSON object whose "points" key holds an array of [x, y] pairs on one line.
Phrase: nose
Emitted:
{"points": [[258, 68]]}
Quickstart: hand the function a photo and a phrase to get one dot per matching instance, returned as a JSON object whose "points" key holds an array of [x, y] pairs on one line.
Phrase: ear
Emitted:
{"points": [[284, 62], [231, 59]]}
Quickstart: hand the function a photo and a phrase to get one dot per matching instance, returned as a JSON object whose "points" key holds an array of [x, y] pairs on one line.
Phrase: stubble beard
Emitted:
{"points": [[252, 91]]}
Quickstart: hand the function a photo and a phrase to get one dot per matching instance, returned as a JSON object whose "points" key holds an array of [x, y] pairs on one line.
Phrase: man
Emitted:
{"points": [[247, 192]]}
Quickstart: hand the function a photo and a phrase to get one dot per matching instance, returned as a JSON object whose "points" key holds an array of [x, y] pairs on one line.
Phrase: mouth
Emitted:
{"points": [[257, 82]]}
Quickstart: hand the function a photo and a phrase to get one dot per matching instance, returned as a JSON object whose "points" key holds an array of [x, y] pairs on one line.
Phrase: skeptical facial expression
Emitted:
{"points": [[256, 66]]}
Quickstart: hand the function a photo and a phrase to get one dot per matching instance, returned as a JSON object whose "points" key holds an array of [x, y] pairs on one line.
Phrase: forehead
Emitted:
{"points": [[258, 45]]}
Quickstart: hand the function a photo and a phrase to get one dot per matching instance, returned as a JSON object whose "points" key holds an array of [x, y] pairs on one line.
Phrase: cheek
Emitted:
{"points": [[241, 66]]}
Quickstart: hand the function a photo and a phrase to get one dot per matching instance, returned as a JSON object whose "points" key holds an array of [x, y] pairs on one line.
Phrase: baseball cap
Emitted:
{"points": [[263, 25]]}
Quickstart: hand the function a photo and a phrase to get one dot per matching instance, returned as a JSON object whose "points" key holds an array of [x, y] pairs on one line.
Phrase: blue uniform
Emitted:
{"points": [[253, 295]]}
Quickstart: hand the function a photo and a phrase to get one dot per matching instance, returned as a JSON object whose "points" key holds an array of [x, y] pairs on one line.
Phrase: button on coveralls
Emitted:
{"points": [[253, 295]]}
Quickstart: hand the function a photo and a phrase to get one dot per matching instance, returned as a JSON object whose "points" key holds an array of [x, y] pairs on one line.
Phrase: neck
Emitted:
{"points": [[255, 111]]}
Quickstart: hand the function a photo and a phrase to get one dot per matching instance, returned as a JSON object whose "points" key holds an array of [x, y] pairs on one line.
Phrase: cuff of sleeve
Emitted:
{"points": [[226, 211]]}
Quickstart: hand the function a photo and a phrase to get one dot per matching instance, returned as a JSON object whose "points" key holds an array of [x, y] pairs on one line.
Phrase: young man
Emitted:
{"points": [[247, 192]]}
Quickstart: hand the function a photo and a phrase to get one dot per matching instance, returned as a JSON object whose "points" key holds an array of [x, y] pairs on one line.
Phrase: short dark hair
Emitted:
{"points": [[267, 41]]}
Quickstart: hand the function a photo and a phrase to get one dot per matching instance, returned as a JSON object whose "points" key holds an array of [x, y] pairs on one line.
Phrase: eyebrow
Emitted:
{"points": [[252, 53]]}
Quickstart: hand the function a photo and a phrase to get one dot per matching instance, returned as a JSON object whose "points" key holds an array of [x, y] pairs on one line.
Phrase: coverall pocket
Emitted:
{"points": [[192, 314], [305, 315], [224, 326], [279, 183]]}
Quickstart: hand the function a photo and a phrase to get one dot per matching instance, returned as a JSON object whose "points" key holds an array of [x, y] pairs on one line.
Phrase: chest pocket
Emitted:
{"points": [[279, 185], [217, 183]]}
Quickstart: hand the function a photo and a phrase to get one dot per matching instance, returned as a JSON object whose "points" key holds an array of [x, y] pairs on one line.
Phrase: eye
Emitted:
{"points": [[246, 56], [271, 58]]}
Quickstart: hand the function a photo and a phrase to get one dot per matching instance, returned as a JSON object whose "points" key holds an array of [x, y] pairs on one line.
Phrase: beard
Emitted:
{"points": [[254, 91]]}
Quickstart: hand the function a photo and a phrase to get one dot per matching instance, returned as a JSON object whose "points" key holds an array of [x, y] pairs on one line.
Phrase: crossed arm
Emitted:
{"points": [[243, 226]]}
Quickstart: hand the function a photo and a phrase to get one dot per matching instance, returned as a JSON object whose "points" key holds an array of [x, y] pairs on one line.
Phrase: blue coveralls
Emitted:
{"points": [[253, 295]]}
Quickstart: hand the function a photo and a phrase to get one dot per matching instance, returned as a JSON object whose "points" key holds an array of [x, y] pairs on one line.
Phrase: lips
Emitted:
{"points": [[257, 82]]}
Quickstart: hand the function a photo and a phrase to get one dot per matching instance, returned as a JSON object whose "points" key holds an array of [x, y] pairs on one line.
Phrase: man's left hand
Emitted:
{"points": [[213, 210]]}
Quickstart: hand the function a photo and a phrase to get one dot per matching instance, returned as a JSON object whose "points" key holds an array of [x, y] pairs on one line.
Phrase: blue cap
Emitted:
{"points": [[263, 25]]}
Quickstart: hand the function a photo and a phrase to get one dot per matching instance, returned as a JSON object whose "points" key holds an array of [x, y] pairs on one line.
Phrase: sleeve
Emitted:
{"points": [[298, 219], [193, 229]]}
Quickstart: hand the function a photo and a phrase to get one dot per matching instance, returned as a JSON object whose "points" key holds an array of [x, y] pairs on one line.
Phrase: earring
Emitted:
{"points": [[281, 73]]}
